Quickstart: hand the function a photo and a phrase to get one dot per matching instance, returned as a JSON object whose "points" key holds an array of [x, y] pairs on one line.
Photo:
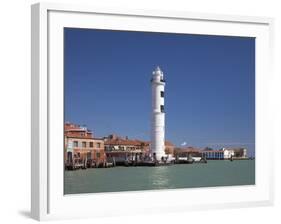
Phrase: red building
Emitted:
{"points": [[81, 147]]}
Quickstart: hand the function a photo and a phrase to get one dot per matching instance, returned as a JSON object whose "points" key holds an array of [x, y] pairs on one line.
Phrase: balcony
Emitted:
{"points": [[161, 80]]}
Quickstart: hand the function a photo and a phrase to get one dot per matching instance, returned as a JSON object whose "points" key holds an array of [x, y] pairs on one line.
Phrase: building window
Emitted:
{"points": [[98, 154], [162, 108], [75, 143], [98, 145], [89, 155], [69, 157], [162, 93], [91, 144], [84, 144]]}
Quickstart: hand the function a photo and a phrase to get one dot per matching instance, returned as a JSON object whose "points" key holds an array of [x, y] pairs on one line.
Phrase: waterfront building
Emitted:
{"points": [[213, 154], [187, 151], [225, 153], [119, 150], [82, 147], [169, 148], [235, 153], [76, 130], [157, 146], [123, 149], [115, 143]]}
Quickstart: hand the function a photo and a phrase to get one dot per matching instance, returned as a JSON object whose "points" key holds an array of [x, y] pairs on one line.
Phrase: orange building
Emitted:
{"points": [[115, 143], [81, 147], [169, 148], [184, 152], [121, 149]]}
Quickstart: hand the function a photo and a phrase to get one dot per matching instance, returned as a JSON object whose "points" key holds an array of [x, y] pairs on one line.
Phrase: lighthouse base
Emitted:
{"points": [[160, 156]]}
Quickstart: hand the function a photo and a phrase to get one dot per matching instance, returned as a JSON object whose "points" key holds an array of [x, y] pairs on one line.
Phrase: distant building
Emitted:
{"points": [[213, 154], [118, 150], [81, 146], [169, 148], [234, 153], [225, 153], [122, 149], [115, 143], [187, 151], [76, 130]]}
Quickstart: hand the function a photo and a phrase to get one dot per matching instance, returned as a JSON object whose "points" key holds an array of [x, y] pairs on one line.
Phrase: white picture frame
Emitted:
{"points": [[48, 201]]}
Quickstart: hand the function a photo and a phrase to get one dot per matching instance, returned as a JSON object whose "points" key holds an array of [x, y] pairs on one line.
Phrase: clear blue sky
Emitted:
{"points": [[209, 95]]}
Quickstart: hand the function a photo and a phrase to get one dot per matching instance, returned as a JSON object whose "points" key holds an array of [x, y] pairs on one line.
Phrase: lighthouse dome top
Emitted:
{"points": [[158, 76], [158, 68], [157, 71]]}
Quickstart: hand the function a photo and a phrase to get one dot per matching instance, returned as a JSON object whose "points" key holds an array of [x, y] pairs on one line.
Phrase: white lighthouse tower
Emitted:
{"points": [[157, 145]]}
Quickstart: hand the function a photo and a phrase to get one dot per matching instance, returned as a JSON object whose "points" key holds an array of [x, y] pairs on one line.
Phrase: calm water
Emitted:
{"points": [[214, 173]]}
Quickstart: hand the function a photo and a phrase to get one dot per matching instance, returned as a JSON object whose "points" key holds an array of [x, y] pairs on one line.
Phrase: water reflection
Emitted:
{"points": [[214, 173], [159, 177]]}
